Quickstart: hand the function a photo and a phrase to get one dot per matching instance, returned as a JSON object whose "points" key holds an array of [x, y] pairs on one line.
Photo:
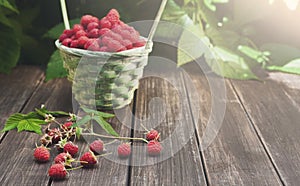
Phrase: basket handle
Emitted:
{"points": [[155, 23]]}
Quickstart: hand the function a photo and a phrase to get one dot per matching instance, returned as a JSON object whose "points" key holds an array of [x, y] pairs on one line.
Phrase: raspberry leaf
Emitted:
{"points": [[43, 111], [98, 113], [12, 122], [106, 126], [30, 125], [82, 121], [8, 5]]}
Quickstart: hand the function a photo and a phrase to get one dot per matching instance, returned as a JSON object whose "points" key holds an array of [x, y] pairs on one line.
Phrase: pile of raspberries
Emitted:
{"points": [[62, 137], [108, 34]]}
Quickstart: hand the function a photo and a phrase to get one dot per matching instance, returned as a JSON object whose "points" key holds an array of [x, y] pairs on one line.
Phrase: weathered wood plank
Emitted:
{"points": [[236, 156], [160, 100], [16, 88], [274, 110], [17, 148]]}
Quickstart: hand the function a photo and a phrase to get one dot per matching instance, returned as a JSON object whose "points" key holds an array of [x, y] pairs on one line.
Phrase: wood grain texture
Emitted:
{"points": [[159, 100], [17, 148], [236, 156], [15, 90], [274, 110]]}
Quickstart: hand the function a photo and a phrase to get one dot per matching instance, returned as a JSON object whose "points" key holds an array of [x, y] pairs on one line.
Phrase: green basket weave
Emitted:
{"points": [[104, 80]]}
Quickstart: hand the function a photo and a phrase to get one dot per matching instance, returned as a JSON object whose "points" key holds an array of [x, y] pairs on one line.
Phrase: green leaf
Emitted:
{"points": [[4, 20], [291, 67], [55, 67], [57, 30], [228, 64], [12, 122], [106, 126], [85, 119], [281, 54], [98, 113], [191, 44], [31, 125], [8, 5], [9, 49], [259, 56], [43, 111]]}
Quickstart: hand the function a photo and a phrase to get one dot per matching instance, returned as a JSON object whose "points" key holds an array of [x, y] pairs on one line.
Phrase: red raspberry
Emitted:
{"points": [[103, 31], [103, 49], [63, 37], [41, 154], [94, 19], [127, 44], [89, 43], [67, 125], [93, 33], [124, 150], [80, 33], [115, 46], [94, 47], [88, 160], [64, 158], [154, 148], [66, 42], [57, 172], [74, 44], [71, 148], [141, 42], [68, 32], [55, 134], [77, 27], [115, 36], [92, 25], [105, 40], [81, 42], [131, 37], [152, 135], [113, 16], [117, 29], [85, 20], [97, 146], [104, 23]]}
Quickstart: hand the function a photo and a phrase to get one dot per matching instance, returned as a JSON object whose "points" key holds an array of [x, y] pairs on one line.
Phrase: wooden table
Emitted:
{"points": [[258, 142]]}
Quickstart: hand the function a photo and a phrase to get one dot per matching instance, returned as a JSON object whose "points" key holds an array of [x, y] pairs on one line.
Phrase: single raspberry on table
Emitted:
{"points": [[97, 146], [88, 159], [154, 148], [152, 135], [57, 172], [71, 148], [41, 154], [65, 159], [124, 150]]}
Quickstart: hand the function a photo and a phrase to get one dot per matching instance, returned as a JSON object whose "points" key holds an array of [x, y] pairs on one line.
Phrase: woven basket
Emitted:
{"points": [[101, 79]]}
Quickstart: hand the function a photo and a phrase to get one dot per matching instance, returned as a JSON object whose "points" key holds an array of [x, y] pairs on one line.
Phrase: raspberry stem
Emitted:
{"points": [[114, 137], [75, 168]]}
